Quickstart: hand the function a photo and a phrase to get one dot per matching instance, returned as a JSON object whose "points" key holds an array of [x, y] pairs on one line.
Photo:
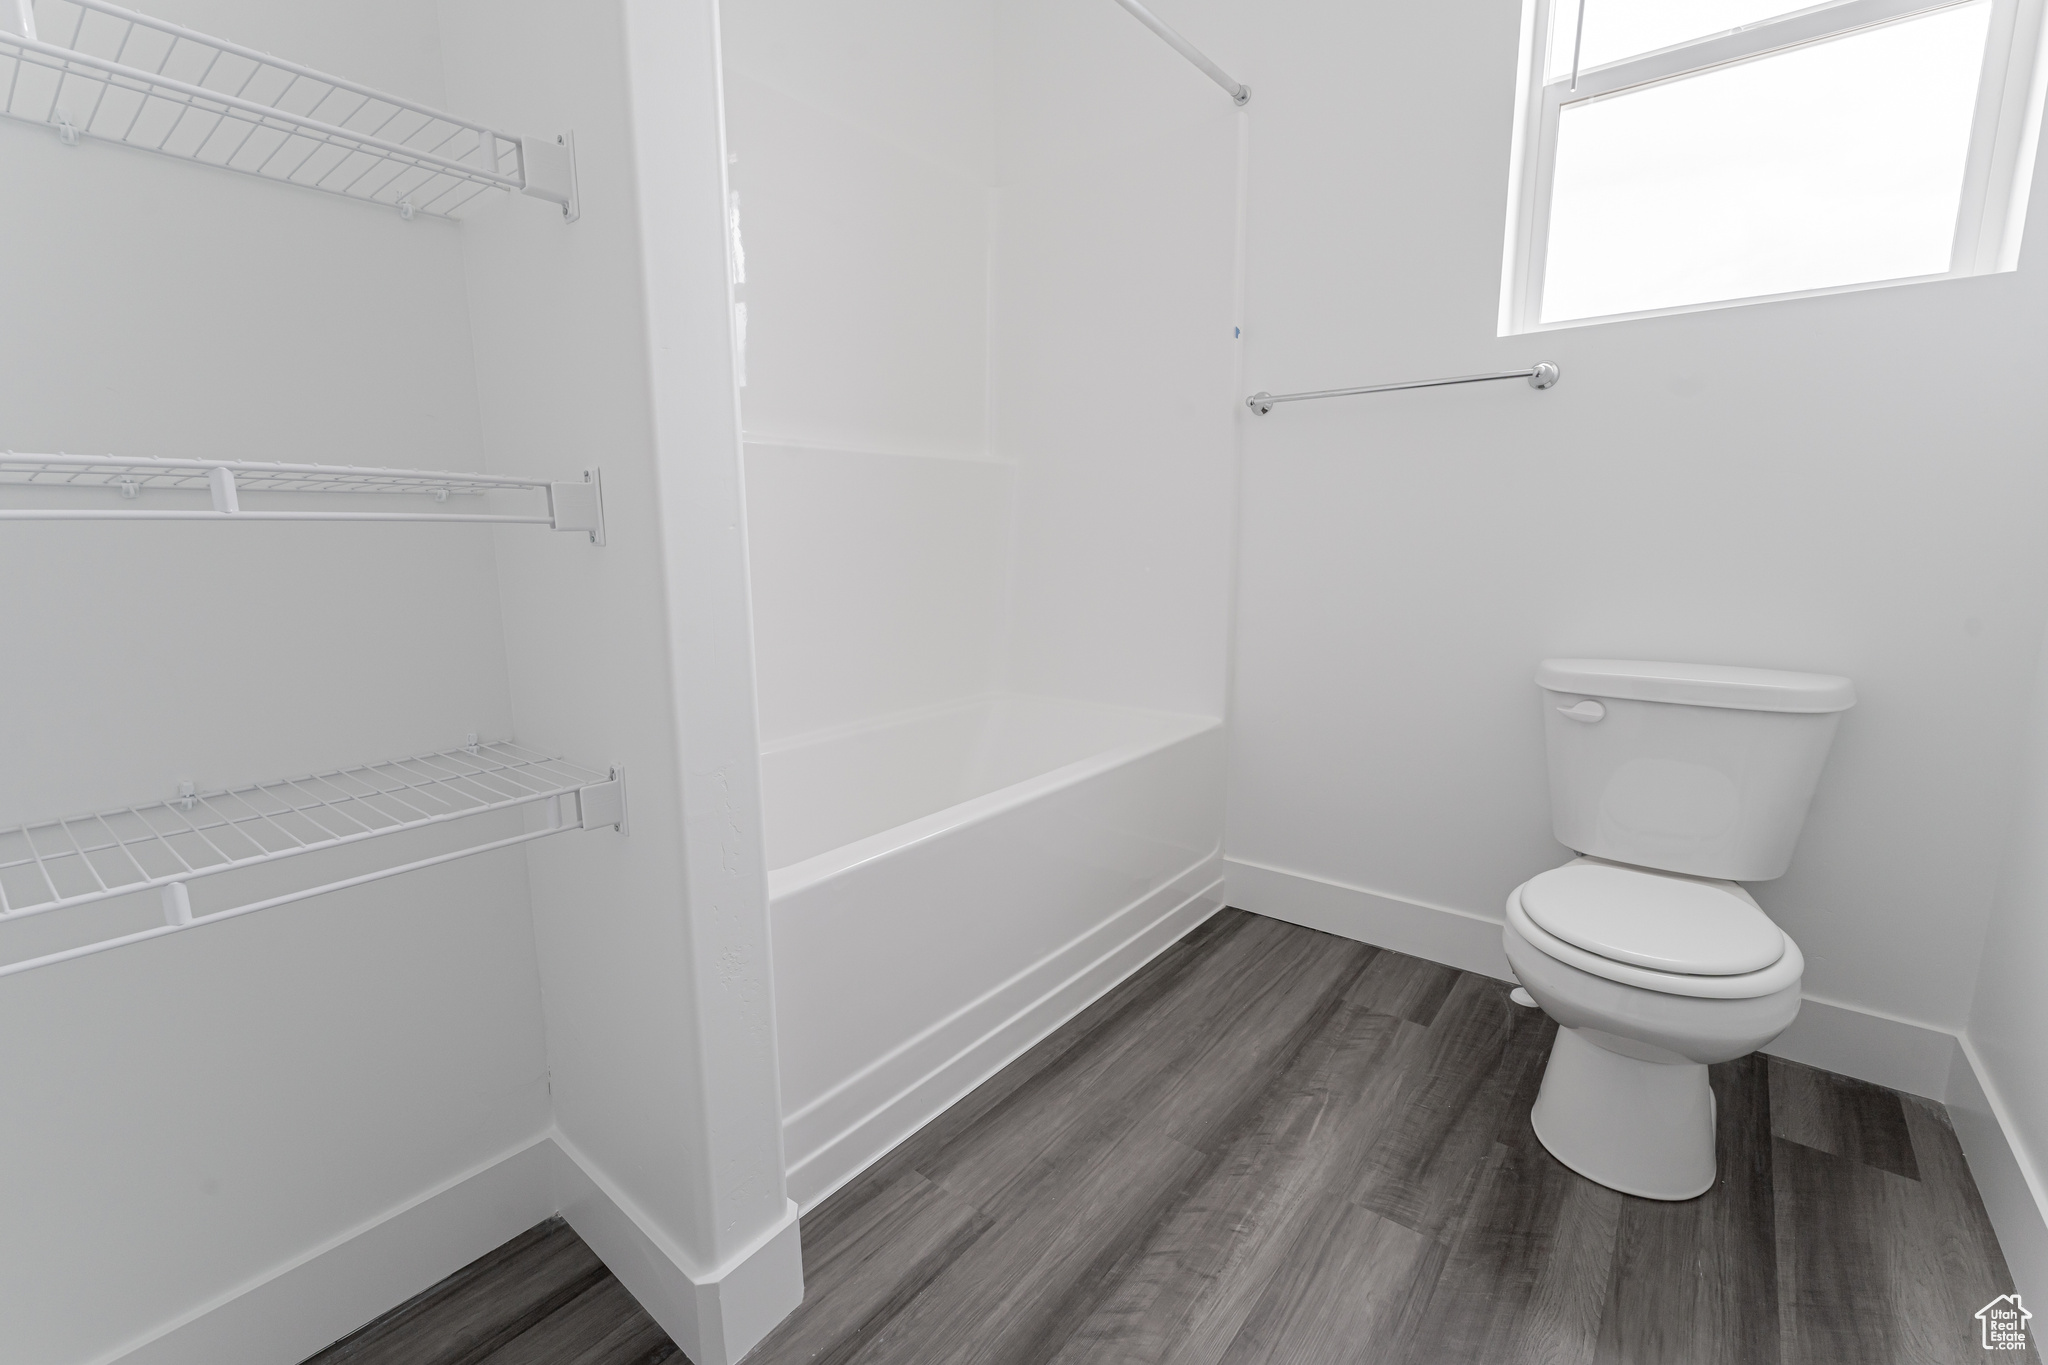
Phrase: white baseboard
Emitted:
{"points": [[288, 1313], [1875, 1047], [2007, 1177], [1902, 1054], [317, 1298], [715, 1315], [1456, 938], [1884, 1049], [841, 1135]]}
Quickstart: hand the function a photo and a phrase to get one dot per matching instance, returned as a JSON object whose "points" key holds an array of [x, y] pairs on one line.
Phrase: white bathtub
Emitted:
{"points": [[949, 888]]}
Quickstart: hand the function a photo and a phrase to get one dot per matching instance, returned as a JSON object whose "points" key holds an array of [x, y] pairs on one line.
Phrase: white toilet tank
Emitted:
{"points": [[1693, 768]]}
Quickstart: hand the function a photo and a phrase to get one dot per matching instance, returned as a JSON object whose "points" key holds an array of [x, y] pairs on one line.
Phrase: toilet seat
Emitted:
{"points": [[1664, 922], [1784, 972]]}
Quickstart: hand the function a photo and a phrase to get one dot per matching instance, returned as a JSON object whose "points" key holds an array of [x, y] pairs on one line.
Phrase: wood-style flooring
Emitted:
{"points": [[543, 1298], [1272, 1145]]}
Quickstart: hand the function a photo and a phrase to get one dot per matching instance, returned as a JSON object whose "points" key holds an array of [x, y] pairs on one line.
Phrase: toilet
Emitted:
{"points": [[1675, 783]]}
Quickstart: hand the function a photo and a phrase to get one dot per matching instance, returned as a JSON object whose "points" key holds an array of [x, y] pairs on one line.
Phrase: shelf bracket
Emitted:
{"points": [[220, 480], [604, 803], [548, 171], [579, 506]]}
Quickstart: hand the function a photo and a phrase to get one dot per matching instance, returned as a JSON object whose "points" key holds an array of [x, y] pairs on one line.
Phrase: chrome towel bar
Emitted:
{"points": [[1541, 375]]}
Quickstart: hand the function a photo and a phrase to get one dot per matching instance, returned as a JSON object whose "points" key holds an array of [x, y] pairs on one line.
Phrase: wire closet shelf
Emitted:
{"points": [[87, 68], [62, 864], [565, 506]]}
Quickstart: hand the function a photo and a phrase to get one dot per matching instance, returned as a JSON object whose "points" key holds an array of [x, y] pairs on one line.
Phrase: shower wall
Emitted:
{"points": [[987, 292], [862, 146], [879, 582], [1113, 352]]}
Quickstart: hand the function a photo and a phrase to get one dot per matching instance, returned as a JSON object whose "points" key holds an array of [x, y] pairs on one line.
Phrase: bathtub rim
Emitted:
{"points": [[806, 873]]}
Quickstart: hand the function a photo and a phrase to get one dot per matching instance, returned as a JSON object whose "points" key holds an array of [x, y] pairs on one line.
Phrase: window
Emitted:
{"points": [[1680, 154]]}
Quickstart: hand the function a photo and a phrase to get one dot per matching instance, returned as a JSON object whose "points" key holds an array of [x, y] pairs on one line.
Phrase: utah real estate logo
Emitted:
{"points": [[2005, 1321]]}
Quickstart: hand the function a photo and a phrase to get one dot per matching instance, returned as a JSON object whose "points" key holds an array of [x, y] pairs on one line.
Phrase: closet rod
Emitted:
{"points": [[1236, 89], [1541, 375]]}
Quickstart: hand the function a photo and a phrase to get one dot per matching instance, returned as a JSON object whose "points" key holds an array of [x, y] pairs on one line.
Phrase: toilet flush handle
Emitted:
{"points": [[1586, 711]]}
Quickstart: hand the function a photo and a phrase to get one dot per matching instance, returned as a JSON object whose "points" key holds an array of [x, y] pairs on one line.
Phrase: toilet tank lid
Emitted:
{"points": [[1738, 689]]}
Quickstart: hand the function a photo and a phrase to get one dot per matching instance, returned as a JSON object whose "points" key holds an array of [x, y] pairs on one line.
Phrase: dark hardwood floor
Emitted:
{"points": [[1272, 1145], [543, 1298]]}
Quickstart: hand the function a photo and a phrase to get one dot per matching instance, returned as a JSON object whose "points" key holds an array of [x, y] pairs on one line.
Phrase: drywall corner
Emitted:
{"points": [[715, 1316], [2006, 1177]]}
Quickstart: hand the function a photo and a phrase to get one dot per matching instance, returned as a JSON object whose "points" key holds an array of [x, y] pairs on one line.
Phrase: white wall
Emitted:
{"points": [[185, 1115], [1847, 484], [2009, 1014]]}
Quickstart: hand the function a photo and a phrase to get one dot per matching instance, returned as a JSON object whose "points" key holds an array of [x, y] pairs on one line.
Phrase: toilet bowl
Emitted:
{"points": [[1651, 976]]}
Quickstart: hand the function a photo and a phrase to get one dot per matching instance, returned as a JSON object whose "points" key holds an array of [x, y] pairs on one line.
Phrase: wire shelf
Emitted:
{"points": [[61, 864], [576, 505], [92, 69], [108, 471]]}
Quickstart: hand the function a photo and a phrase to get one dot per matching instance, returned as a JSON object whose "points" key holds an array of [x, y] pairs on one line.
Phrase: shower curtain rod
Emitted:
{"points": [[1541, 375], [1236, 89]]}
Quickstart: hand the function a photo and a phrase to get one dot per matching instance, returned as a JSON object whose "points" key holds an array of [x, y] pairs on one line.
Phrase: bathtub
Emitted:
{"points": [[949, 887]]}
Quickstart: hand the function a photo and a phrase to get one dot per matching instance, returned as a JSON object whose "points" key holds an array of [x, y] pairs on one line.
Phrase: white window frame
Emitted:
{"points": [[1995, 183]]}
